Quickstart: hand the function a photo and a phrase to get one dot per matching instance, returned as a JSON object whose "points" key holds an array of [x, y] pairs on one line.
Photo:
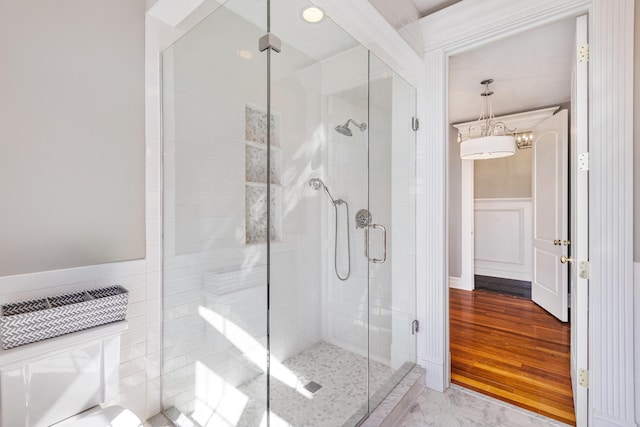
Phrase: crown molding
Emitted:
{"points": [[520, 121], [472, 23]]}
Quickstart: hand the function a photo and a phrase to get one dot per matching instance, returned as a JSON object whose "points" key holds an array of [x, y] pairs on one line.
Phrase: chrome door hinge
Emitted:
{"points": [[415, 123], [583, 53], [415, 327], [583, 162], [583, 378], [583, 269]]}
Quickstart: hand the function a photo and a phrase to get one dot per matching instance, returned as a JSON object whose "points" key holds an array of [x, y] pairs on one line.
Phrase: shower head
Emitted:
{"points": [[316, 184], [344, 129]]}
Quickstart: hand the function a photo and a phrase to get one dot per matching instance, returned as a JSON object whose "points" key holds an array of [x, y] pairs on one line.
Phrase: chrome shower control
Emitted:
{"points": [[363, 218]]}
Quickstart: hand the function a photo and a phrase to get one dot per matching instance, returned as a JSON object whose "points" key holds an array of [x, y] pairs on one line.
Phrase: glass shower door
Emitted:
{"points": [[390, 235]]}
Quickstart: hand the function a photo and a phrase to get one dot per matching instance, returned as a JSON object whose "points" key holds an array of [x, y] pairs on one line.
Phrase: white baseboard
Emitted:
{"points": [[435, 375], [600, 419], [456, 283]]}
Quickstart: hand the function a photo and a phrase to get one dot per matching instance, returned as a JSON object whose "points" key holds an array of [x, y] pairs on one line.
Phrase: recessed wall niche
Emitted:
{"points": [[256, 175]]}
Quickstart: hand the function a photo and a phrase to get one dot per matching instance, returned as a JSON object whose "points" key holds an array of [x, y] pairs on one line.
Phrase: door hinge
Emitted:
{"points": [[583, 378], [583, 269], [415, 123], [583, 162], [583, 53], [415, 327]]}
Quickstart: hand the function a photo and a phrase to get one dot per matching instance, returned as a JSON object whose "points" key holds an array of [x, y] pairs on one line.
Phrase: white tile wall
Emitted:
{"points": [[129, 274], [350, 166]]}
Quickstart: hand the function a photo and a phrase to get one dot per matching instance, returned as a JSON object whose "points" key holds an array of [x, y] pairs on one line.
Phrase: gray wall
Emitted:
{"points": [[636, 139], [507, 177], [72, 129], [455, 206]]}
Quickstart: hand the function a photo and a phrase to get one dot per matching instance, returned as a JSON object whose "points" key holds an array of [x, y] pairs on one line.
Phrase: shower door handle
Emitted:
{"points": [[384, 243]]}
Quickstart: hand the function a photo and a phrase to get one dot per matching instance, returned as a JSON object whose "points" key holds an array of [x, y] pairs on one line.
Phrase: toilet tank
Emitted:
{"points": [[45, 382]]}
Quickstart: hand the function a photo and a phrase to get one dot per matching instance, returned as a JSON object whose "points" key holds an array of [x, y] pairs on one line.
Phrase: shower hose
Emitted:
{"points": [[335, 250]]}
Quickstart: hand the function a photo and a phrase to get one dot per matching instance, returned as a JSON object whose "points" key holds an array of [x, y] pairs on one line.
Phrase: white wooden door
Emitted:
{"points": [[549, 288], [579, 218]]}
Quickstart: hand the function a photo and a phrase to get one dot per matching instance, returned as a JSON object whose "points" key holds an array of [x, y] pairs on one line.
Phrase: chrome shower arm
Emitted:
{"points": [[361, 126]]}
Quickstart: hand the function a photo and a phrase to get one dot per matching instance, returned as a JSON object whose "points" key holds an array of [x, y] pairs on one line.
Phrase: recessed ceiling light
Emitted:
{"points": [[244, 54], [312, 14]]}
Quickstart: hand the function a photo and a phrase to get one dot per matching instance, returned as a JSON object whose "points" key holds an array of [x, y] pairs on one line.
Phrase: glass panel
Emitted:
{"points": [[392, 103], [339, 332], [214, 289], [318, 321]]}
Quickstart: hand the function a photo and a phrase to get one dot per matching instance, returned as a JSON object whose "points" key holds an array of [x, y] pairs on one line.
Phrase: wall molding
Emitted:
{"points": [[432, 228], [510, 214], [611, 355], [456, 29]]}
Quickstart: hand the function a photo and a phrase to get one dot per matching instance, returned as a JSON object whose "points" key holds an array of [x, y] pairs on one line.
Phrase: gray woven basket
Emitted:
{"points": [[35, 320]]}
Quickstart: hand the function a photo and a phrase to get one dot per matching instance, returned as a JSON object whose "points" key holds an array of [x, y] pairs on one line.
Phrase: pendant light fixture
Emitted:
{"points": [[487, 139]]}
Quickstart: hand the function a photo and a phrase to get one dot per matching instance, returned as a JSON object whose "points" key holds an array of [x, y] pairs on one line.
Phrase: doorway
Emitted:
{"points": [[517, 80]]}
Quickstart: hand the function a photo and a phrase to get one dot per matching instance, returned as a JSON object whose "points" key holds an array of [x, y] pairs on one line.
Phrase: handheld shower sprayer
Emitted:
{"points": [[316, 184]]}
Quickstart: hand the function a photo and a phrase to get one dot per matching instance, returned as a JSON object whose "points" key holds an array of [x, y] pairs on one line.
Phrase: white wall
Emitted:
{"points": [[79, 93], [71, 121]]}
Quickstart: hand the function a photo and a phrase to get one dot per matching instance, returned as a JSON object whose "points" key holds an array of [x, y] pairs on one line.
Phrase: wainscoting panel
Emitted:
{"points": [[503, 238]]}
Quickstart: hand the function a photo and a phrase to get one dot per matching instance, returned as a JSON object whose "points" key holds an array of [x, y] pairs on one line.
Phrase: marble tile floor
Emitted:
{"points": [[456, 407], [460, 407]]}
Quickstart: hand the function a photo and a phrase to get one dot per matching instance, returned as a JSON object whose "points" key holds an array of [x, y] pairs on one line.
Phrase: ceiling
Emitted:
{"points": [[531, 70], [426, 7]]}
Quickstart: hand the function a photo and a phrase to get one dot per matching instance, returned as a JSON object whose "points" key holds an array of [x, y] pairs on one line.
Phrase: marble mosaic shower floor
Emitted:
{"points": [[342, 375]]}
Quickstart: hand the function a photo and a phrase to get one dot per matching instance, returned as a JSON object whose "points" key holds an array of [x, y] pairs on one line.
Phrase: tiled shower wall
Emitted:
{"points": [[389, 194], [360, 173]]}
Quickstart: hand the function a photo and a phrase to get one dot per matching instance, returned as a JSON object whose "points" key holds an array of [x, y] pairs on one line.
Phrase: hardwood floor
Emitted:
{"points": [[511, 349]]}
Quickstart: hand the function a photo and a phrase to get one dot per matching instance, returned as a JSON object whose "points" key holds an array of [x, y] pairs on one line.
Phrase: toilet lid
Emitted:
{"points": [[111, 416]]}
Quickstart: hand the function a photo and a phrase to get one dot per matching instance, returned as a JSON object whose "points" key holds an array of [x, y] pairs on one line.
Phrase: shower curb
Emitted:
{"points": [[397, 403]]}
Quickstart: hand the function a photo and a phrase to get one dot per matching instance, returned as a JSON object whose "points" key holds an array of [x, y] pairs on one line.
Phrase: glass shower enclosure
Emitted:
{"points": [[288, 222]]}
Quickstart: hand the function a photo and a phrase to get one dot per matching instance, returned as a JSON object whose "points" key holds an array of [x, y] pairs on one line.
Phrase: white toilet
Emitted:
{"points": [[64, 381]]}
